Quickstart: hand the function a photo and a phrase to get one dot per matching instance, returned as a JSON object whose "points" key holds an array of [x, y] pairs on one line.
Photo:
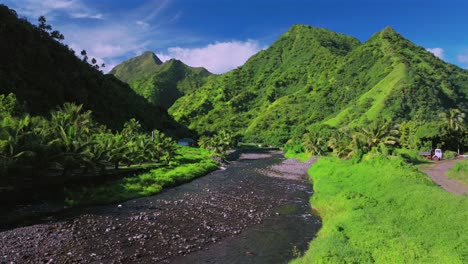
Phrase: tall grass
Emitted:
{"points": [[459, 171], [384, 211]]}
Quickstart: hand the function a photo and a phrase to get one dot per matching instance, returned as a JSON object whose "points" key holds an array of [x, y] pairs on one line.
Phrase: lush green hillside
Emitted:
{"points": [[44, 73], [160, 83], [312, 75]]}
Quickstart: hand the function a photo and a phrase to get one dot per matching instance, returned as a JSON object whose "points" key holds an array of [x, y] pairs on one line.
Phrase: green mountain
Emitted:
{"points": [[43, 73], [312, 75], [160, 83]]}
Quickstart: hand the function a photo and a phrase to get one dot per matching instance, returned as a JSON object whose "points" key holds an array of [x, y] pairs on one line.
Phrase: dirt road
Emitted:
{"points": [[437, 174]]}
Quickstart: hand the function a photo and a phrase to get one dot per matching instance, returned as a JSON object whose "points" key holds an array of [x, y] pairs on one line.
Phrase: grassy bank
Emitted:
{"points": [[190, 163], [459, 171], [384, 211]]}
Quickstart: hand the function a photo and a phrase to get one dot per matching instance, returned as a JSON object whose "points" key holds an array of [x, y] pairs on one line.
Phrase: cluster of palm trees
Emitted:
{"points": [[347, 142], [382, 135], [219, 143], [70, 141]]}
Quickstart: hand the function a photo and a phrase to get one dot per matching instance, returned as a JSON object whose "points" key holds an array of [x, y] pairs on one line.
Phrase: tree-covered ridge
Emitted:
{"points": [[312, 75], [160, 83], [44, 73]]}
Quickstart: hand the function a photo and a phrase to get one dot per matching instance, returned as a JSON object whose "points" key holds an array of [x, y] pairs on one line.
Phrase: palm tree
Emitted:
{"points": [[13, 132], [375, 133], [130, 128], [455, 120], [71, 130], [341, 142], [118, 150], [314, 143]]}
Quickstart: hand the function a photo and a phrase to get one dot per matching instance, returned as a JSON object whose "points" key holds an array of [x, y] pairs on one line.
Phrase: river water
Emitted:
{"points": [[255, 211]]}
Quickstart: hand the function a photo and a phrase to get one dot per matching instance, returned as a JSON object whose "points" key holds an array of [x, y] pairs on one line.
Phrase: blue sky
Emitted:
{"points": [[221, 35]]}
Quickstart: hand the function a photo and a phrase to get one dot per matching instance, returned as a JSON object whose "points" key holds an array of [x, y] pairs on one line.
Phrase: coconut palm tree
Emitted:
{"points": [[455, 121], [377, 132], [314, 143]]}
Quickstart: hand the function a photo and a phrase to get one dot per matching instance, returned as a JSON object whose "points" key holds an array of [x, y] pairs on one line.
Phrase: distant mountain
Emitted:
{"points": [[44, 74], [160, 83], [312, 75]]}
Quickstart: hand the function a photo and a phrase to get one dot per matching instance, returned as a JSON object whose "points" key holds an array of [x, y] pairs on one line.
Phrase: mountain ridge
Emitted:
{"points": [[161, 83], [313, 75]]}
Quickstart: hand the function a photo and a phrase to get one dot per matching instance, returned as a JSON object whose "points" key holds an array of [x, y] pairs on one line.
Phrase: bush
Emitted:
{"points": [[448, 154]]}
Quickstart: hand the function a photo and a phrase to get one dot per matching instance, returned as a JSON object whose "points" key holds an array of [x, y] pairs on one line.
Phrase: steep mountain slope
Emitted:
{"points": [[44, 74], [160, 83], [312, 75]]}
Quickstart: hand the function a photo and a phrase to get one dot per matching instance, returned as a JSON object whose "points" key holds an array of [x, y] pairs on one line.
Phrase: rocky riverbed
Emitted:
{"points": [[219, 216]]}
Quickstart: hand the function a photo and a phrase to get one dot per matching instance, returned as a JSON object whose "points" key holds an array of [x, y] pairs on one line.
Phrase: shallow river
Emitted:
{"points": [[254, 211]]}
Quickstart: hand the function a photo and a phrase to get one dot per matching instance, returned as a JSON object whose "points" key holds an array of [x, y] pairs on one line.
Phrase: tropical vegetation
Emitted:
{"points": [[312, 76], [70, 142], [218, 143], [188, 164]]}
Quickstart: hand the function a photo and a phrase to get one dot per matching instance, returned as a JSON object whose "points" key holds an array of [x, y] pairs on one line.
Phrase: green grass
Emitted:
{"points": [[191, 163], [302, 157], [459, 171], [384, 211]]}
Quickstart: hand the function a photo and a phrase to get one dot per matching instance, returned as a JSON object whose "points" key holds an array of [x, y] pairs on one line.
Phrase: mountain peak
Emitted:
{"points": [[150, 55], [146, 62]]}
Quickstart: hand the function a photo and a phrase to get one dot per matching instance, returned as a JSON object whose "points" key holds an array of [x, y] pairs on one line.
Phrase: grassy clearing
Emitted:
{"points": [[459, 171], [191, 163], [384, 211]]}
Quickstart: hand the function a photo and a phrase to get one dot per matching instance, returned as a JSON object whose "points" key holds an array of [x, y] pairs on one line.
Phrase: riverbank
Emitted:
{"points": [[386, 211], [260, 219], [189, 164]]}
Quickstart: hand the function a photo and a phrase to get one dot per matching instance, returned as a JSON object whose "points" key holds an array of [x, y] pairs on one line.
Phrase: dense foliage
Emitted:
{"points": [[384, 211], [312, 75], [219, 143], [70, 142], [44, 73], [160, 83], [188, 164]]}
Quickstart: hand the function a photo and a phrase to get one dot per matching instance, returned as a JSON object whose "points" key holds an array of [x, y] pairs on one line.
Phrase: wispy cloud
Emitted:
{"points": [[52, 8], [110, 36], [463, 57], [219, 57], [438, 52]]}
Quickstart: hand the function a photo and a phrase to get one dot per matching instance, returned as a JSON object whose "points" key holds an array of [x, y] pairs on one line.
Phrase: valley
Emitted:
{"points": [[309, 151]]}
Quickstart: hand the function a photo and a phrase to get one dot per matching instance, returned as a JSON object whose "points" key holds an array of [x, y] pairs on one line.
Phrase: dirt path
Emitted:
{"points": [[437, 174], [206, 220]]}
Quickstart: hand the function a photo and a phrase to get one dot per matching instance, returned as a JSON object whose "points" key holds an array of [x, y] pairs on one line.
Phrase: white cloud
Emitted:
{"points": [[219, 57], [107, 43], [86, 15], [438, 52]]}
